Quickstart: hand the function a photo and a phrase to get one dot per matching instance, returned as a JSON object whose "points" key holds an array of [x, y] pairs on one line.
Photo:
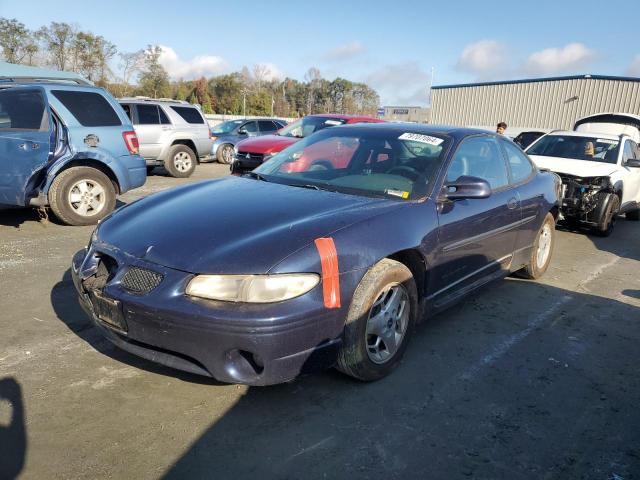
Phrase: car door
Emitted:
{"points": [[25, 140], [149, 130], [631, 188], [476, 237], [249, 129]]}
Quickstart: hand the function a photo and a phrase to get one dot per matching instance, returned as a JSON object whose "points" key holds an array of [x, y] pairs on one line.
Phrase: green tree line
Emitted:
{"points": [[65, 46]]}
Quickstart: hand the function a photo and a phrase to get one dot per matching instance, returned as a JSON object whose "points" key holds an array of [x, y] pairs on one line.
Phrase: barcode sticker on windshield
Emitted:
{"points": [[416, 137], [607, 141], [333, 122]]}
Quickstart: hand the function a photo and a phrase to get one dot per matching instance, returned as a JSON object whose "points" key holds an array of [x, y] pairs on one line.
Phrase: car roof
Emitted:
{"points": [[11, 73], [425, 129], [143, 100], [571, 133], [343, 116]]}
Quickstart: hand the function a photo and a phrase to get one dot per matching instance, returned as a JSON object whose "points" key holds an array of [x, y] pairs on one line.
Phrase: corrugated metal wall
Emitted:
{"points": [[541, 104]]}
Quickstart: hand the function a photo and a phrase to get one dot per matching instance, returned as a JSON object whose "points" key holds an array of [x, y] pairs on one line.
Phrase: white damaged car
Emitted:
{"points": [[599, 164]]}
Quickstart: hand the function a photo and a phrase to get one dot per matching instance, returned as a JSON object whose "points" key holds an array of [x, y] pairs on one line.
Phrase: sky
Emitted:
{"points": [[394, 46]]}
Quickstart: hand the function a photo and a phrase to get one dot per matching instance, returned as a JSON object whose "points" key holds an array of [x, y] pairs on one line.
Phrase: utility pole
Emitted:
{"points": [[244, 102]]}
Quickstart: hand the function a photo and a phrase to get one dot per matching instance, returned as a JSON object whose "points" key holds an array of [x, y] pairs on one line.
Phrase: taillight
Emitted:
{"points": [[131, 141]]}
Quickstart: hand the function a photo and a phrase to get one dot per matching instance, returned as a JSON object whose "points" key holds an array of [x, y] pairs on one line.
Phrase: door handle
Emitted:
{"points": [[29, 146], [512, 203]]}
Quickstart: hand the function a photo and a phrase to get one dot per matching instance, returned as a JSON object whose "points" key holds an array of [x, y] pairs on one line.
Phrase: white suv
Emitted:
{"points": [[599, 163], [171, 133]]}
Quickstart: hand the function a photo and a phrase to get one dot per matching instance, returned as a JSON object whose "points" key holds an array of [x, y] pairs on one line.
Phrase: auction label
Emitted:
{"points": [[417, 137]]}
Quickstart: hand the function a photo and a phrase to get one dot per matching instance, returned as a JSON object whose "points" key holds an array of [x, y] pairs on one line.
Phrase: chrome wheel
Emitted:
{"points": [[87, 197], [182, 161], [227, 154], [544, 246], [387, 323]]}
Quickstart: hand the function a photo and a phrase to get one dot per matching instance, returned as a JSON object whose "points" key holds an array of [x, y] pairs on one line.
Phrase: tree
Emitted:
{"points": [[154, 79], [131, 63], [14, 40], [58, 39]]}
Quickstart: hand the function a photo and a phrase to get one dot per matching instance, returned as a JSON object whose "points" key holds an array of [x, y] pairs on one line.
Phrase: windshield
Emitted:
{"points": [[361, 161], [308, 125], [577, 148], [226, 127]]}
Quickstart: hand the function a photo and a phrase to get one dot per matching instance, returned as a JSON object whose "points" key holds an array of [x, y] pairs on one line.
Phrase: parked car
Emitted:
{"points": [[316, 268], [254, 151], [600, 174], [64, 144], [524, 139], [228, 134], [172, 133]]}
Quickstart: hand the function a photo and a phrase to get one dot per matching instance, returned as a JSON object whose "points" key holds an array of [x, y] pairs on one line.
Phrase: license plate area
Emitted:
{"points": [[108, 311]]}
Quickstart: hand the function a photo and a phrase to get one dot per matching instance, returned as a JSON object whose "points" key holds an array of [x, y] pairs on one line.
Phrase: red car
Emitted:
{"points": [[252, 152]]}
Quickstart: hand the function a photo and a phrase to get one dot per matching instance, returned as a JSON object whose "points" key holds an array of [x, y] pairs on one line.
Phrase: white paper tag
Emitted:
{"points": [[607, 141], [417, 137], [333, 122]]}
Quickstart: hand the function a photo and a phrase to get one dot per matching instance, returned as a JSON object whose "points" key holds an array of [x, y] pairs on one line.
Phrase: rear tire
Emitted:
{"points": [[542, 250], [149, 170], [379, 323], [82, 196], [225, 154], [181, 161]]}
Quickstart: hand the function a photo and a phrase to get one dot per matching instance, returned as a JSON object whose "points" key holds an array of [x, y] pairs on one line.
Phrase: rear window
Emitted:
{"points": [[21, 110], [189, 114], [90, 109]]}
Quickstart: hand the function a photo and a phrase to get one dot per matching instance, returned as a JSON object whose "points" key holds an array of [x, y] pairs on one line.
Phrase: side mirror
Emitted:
{"points": [[632, 162], [242, 131], [466, 187]]}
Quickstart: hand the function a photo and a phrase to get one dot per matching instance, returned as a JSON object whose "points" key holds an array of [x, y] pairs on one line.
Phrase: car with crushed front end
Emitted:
{"points": [[64, 144], [600, 174], [319, 267]]}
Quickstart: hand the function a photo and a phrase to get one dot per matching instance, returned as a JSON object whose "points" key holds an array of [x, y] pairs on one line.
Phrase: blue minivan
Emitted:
{"points": [[65, 144]]}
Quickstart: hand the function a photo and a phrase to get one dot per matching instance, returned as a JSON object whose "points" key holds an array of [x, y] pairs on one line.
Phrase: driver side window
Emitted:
{"points": [[479, 157]]}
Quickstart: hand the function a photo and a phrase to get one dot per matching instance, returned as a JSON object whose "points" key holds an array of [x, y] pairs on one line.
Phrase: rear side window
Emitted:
{"points": [[267, 126], [189, 114], [521, 167], [21, 110], [89, 108], [148, 115]]}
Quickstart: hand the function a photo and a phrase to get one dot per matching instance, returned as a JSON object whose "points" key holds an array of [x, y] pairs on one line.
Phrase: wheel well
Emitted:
{"points": [[555, 211], [87, 162], [190, 144], [414, 261]]}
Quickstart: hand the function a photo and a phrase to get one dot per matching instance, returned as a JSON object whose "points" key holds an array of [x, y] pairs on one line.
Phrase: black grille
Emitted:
{"points": [[140, 280], [256, 157]]}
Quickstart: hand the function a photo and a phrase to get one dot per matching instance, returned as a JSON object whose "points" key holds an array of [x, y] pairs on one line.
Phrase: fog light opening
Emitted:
{"points": [[254, 360]]}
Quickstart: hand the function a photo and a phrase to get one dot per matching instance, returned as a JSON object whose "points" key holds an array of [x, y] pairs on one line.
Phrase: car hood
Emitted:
{"points": [[232, 225], [578, 168], [266, 144]]}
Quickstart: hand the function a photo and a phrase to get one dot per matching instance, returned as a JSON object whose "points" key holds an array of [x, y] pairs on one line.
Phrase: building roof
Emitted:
{"points": [[535, 80], [13, 72]]}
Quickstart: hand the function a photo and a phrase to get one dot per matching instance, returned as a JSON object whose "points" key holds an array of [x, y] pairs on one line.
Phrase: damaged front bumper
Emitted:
{"points": [[586, 199]]}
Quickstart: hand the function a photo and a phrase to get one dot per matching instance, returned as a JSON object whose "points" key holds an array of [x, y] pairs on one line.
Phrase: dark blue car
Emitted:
{"points": [[326, 255], [227, 134]]}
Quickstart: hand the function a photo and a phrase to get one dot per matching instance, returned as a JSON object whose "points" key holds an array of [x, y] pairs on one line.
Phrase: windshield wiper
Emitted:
{"points": [[257, 176]]}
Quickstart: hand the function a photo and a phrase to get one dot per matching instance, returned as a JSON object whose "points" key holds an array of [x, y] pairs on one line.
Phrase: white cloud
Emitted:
{"points": [[572, 57], [199, 66], [634, 68], [345, 52], [486, 59], [272, 72], [400, 84]]}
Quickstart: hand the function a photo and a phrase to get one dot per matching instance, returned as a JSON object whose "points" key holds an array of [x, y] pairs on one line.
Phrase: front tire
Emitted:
{"points": [[181, 162], [542, 250], [82, 196], [225, 154], [609, 215], [380, 321]]}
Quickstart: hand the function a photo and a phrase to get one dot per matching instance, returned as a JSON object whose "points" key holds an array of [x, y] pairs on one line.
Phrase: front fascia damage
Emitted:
{"points": [[585, 199]]}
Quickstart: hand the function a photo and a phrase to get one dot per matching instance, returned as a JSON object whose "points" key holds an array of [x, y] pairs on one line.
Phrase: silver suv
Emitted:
{"points": [[172, 133]]}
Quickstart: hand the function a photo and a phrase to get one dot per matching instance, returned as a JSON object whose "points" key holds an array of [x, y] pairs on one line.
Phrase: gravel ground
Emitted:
{"points": [[523, 380]]}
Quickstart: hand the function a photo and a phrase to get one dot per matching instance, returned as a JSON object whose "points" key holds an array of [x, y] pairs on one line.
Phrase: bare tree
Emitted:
{"points": [[260, 74], [131, 63], [312, 77], [58, 38]]}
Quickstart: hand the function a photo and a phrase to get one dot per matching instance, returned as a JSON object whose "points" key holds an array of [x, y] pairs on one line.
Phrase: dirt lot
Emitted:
{"points": [[524, 380]]}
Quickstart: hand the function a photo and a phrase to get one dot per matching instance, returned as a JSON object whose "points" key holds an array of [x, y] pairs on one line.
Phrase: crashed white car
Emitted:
{"points": [[599, 164]]}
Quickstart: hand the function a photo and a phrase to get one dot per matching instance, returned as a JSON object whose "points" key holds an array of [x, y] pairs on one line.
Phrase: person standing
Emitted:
{"points": [[501, 128]]}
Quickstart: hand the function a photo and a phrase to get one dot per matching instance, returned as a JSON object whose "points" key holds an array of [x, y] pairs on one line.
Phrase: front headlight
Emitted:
{"points": [[252, 288]]}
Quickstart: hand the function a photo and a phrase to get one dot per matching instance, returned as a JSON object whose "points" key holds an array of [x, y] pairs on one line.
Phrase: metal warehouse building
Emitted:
{"points": [[543, 103]]}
